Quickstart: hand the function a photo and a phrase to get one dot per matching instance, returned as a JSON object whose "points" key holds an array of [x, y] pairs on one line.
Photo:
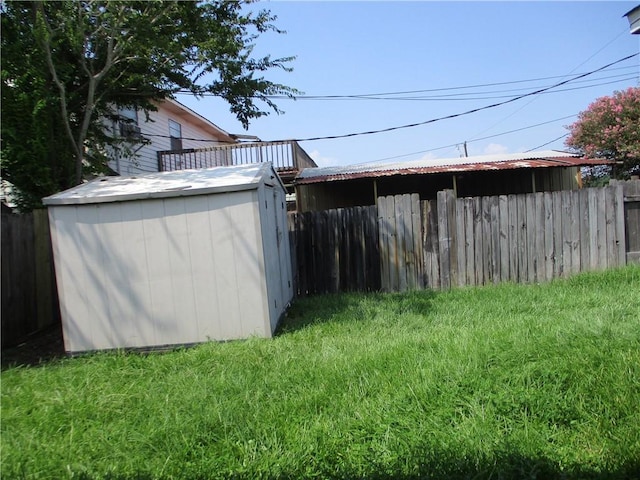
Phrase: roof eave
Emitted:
{"points": [[205, 123]]}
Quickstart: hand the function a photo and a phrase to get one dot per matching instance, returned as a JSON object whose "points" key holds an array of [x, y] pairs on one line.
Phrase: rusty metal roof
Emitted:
{"points": [[542, 159]]}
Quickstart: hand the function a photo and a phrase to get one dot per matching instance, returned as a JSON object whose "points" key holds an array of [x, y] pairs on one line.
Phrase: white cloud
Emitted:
{"points": [[495, 148], [428, 156], [321, 160]]}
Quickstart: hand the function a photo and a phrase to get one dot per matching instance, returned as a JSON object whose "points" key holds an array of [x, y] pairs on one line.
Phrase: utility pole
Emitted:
{"points": [[464, 146]]}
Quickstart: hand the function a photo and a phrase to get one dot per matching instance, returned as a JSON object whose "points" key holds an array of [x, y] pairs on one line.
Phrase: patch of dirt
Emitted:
{"points": [[40, 347]]}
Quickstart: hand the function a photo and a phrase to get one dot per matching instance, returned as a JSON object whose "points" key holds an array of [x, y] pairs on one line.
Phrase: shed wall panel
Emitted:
{"points": [[160, 311], [180, 264], [249, 262], [160, 272], [205, 285]]}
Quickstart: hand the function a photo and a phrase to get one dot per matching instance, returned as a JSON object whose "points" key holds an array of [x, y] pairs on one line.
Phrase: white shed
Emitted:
{"points": [[171, 258]]}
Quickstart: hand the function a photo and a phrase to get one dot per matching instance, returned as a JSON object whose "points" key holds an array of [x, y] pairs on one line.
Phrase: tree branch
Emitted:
{"points": [[46, 44]]}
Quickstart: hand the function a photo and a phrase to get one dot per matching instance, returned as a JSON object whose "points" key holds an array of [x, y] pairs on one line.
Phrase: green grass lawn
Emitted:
{"points": [[538, 381]]}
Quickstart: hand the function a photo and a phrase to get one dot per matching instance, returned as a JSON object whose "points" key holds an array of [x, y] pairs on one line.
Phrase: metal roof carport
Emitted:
{"points": [[359, 185]]}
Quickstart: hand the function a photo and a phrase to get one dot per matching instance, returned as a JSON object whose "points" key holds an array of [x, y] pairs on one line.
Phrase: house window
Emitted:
{"points": [[128, 122], [175, 133]]}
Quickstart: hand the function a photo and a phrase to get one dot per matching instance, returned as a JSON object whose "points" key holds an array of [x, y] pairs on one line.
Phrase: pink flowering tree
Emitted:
{"points": [[610, 128]]}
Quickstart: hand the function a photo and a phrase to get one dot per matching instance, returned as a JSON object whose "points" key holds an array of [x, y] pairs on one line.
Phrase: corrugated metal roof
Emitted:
{"points": [[549, 158], [165, 184]]}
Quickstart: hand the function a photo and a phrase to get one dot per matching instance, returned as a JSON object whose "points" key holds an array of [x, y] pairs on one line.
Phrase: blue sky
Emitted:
{"points": [[359, 48]]}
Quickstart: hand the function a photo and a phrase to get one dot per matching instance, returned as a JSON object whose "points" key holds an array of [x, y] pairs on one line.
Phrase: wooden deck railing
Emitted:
{"points": [[286, 156]]}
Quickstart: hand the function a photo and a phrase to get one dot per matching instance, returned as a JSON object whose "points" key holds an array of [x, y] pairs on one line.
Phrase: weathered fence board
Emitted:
{"points": [[556, 226], [512, 228], [417, 241], [592, 227], [429, 214], [446, 238], [383, 245], [503, 209], [400, 261], [476, 240], [400, 236]]}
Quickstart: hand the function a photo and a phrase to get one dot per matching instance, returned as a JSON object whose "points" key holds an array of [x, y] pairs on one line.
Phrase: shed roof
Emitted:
{"points": [[167, 184], [549, 158]]}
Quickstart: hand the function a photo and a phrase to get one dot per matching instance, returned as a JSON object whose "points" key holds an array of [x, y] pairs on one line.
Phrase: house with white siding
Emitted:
{"points": [[176, 138], [173, 127]]}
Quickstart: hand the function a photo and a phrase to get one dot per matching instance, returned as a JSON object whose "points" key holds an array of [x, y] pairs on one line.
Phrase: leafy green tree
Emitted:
{"points": [[610, 128], [36, 155], [69, 65]]}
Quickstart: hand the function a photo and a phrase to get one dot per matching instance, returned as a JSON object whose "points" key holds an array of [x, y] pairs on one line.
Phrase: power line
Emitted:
{"points": [[486, 107], [157, 135], [384, 94], [548, 143], [468, 112], [464, 97], [477, 139], [512, 99], [622, 32]]}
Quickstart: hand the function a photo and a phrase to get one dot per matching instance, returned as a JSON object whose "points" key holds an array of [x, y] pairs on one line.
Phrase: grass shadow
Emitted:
{"points": [[40, 348], [353, 307], [503, 467], [511, 466]]}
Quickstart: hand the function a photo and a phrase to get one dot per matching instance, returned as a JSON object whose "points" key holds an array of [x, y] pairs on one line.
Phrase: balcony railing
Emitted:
{"points": [[288, 157]]}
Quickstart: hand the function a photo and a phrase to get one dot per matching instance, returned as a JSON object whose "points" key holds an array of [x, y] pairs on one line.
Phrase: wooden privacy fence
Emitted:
{"points": [[524, 238], [335, 250], [405, 243], [29, 297]]}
